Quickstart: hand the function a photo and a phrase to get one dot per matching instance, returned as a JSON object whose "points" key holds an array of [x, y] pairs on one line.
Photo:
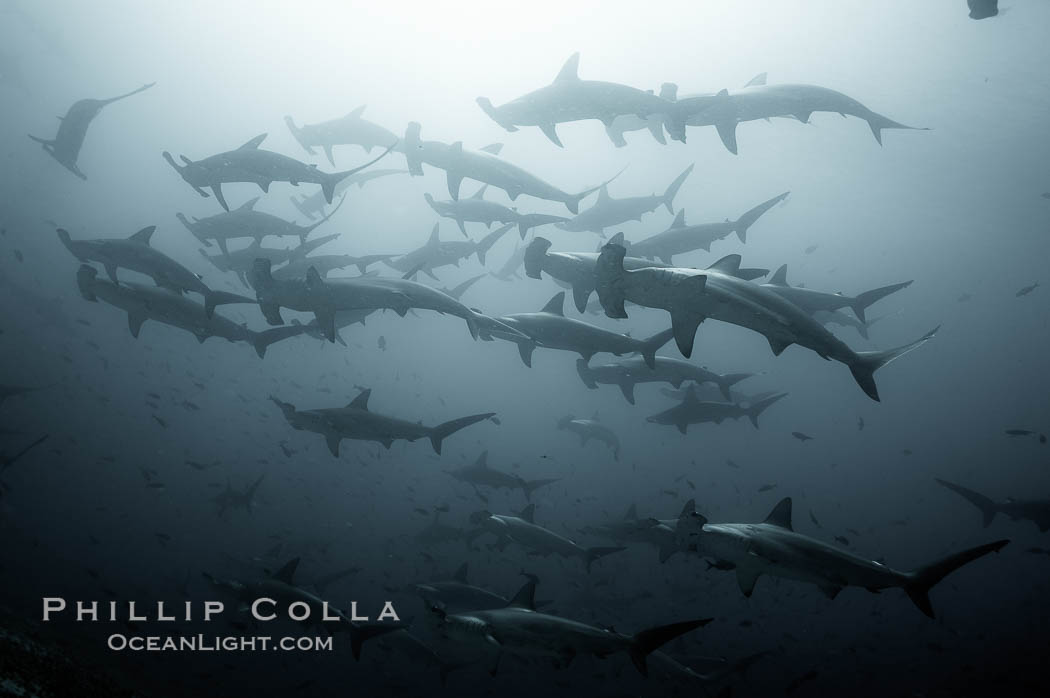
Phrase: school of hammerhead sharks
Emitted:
{"points": [[619, 279]]}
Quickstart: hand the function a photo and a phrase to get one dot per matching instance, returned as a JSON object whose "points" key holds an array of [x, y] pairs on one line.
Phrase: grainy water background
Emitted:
{"points": [[958, 209]]}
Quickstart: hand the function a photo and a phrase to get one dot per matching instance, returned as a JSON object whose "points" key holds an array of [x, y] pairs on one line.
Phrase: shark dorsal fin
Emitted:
{"points": [[483, 460], [144, 235], [461, 574], [492, 148], [679, 219], [690, 395], [361, 401], [254, 143], [528, 514], [669, 91], [723, 93], [730, 264], [781, 514], [248, 205], [556, 305], [434, 239], [688, 508], [457, 147], [603, 194], [780, 276], [759, 79], [570, 69], [632, 513], [480, 193], [617, 240], [287, 573], [525, 598], [356, 114]]}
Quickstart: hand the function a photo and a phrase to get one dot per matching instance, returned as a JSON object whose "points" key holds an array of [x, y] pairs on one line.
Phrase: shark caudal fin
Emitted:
{"points": [[586, 375], [748, 219], [648, 641], [652, 345], [729, 380], [362, 632], [920, 581], [592, 554], [609, 279], [535, 253], [530, 486], [331, 180], [866, 363], [324, 218], [486, 106], [761, 406], [988, 507], [443, 431], [486, 243], [672, 189], [867, 298], [299, 203], [573, 202], [262, 340], [877, 122]]}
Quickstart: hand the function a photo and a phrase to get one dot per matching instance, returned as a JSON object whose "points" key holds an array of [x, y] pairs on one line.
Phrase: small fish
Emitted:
{"points": [[1038, 551], [18, 255], [1027, 289], [860, 424], [842, 539], [963, 298], [814, 519], [1045, 195], [190, 405], [495, 420], [160, 421], [767, 488], [381, 343], [801, 437], [811, 249], [1019, 432], [731, 464]]}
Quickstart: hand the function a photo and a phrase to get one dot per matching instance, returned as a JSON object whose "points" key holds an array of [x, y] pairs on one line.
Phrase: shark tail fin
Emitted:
{"points": [[877, 122], [867, 362], [328, 185], [672, 189], [728, 380], [486, 243], [648, 641], [748, 219], [987, 506], [44, 142], [923, 579], [530, 486], [442, 431], [761, 406], [593, 554], [655, 124], [586, 375], [362, 632], [262, 340], [652, 345], [863, 300]]}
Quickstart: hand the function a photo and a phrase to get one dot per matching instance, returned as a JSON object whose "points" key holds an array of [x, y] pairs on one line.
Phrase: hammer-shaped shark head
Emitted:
{"points": [[535, 254], [195, 174]]}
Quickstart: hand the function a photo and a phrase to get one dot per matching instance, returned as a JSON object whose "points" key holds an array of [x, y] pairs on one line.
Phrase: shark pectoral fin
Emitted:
{"points": [[830, 589], [222, 246], [326, 320], [746, 578], [328, 153], [628, 391], [216, 189], [683, 427], [272, 313], [453, 180], [265, 185], [727, 132], [580, 296], [135, 323], [111, 272], [778, 345], [525, 349], [685, 326], [550, 132], [333, 443]]}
